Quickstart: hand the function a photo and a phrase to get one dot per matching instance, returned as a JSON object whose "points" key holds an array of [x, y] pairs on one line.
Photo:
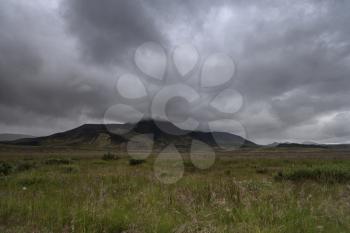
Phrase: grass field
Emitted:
{"points": [[279, 194]]}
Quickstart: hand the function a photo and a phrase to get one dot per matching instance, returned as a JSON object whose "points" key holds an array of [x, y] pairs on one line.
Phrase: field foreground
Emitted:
{"points": [[39, 194]]}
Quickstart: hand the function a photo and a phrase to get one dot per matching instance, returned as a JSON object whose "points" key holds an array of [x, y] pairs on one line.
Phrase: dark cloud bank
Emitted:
{"points": [[59, 60]]}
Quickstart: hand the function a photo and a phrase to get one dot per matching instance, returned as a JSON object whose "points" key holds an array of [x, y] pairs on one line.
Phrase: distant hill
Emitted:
{"points": [[310, 143], [299, 145], [102, 136], [314, 145], [12, 137], [274, 144]]}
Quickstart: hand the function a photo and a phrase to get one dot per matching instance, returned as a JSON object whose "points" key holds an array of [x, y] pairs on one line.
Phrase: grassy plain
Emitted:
{"points": [[268, 191]]}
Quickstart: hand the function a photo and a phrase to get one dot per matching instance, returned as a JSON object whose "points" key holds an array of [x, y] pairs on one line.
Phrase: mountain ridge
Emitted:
{"points": [[163, 132]]}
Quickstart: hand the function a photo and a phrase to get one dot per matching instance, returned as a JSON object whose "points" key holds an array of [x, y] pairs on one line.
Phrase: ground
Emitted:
{"points": [[247, 191]]}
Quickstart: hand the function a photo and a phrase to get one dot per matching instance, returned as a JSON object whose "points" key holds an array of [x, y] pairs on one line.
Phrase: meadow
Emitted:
{"points": [[113, 194]]}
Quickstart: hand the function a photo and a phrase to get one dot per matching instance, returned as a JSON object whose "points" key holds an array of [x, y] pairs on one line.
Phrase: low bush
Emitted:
{"points": [[5, 168], [328, 174], [110, 156], [133, 162], [8, 168]]}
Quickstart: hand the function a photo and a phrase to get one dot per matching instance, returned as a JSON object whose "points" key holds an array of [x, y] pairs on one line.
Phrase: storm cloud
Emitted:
{"points": [[60, 59]]}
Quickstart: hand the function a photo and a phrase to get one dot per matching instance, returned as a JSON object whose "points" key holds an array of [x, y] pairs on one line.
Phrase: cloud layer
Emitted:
{"points": [[60, 59]]}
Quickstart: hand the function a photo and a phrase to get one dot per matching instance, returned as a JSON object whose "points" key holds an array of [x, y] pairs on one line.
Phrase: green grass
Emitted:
{"points": [[324, 174], [235, 195]]}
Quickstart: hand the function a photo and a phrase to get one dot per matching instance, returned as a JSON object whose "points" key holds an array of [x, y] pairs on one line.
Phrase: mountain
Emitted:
{"points": [[315, 146], [12, 137], [299, 145], [274, 144], [310, 143], [100, 135]]}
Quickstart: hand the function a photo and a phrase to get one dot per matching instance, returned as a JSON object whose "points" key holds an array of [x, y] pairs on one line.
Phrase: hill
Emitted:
{"points": [[314, 145], [101, 135], [12, 137]]}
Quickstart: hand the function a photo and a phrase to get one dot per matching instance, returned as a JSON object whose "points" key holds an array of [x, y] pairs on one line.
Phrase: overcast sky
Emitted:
{"points": [[60, 61]]}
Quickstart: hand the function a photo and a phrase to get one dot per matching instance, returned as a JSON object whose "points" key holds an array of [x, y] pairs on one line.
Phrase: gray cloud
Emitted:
{"points": [[58, 65], [42, 83], [108, 29]]}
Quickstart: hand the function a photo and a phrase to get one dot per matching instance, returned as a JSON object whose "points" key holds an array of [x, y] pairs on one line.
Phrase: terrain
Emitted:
{"points": [[62, 194], [82, 180], [116, 135]]}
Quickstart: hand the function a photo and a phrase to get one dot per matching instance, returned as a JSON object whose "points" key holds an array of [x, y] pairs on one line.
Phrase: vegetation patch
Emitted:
{"points": [[134, 162], [189, 167], [5, 168], [328, 174], [55, 161], [262, 170], [110, 156]]}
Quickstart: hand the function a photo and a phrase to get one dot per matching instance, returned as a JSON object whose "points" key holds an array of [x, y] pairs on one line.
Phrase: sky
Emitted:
{"points": [[61, 62]]}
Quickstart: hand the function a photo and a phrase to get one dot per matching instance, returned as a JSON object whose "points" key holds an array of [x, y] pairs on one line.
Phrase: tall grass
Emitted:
{"points": [[113, 196]]}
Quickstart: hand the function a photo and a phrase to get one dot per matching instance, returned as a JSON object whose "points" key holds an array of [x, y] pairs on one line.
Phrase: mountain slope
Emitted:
{"points": [[102, 136], [11, 137]]}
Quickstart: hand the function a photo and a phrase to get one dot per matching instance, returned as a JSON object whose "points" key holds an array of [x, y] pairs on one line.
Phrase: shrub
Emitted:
{"points": [[8, 168], [133, 162], [329, 174], [110, 156], [5, 168]]}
